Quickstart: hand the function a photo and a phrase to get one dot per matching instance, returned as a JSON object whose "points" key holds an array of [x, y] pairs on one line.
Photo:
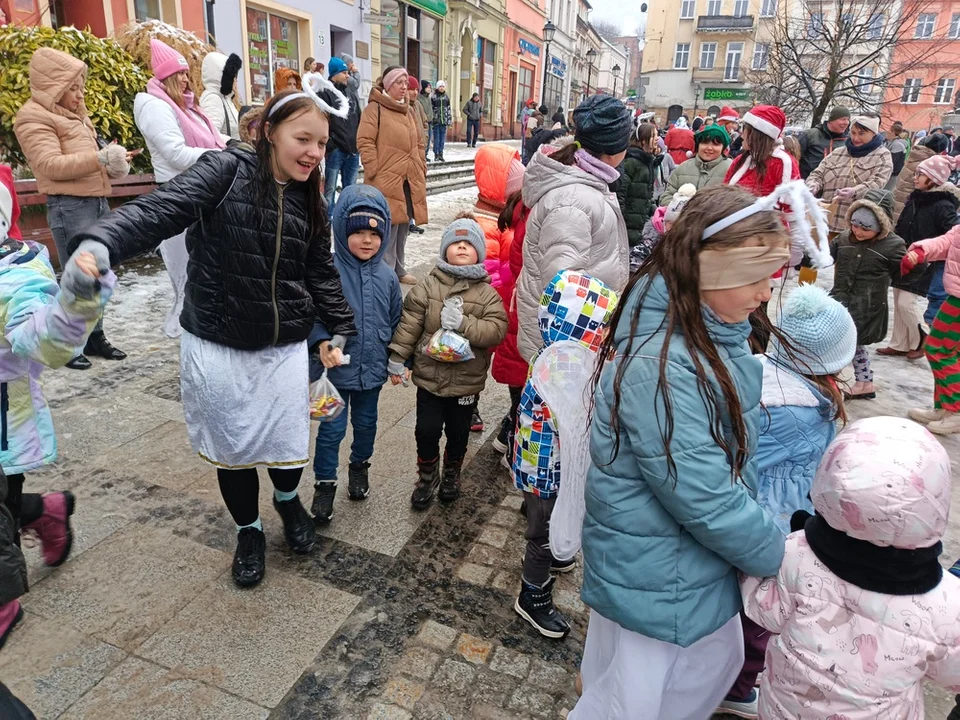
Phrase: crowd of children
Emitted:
{"points": [[701, 457]]}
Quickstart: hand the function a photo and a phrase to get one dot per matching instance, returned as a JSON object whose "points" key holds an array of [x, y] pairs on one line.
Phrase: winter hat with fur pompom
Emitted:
{"points": [[820, 330], [679, 201]]}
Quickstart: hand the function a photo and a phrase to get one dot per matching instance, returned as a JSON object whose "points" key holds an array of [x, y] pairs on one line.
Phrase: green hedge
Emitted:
{"points": [[113, 79]]}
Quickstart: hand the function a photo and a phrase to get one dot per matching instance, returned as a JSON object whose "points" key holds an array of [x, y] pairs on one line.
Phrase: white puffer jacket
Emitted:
{"points": [[574, 224], [216, 106], [169, 153]]}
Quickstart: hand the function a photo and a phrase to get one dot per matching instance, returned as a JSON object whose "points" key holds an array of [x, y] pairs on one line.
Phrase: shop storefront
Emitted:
{"points": [[413, 41], [556, 79], [273, 42]]}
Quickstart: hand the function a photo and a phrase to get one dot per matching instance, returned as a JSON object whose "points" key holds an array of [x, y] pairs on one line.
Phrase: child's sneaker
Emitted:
{"points": [[53, 527], [746, 708], [948, 425], [359, 487], [563, 566], [476, 423], [249, 561], [298, 528], [500, 442], [535, 605], [324, 492], [925, 416], [427, 483], [450, 483]]}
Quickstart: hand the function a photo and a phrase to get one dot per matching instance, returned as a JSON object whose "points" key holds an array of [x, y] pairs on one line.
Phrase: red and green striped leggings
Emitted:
{"points": [[943, 351]]}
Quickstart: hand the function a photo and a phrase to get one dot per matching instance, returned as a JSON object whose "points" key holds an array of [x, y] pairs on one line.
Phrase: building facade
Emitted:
{"points": [[696, 52], [634, 60], [523, 60], [922, 95], [612, 68], [585, 58], [104, 16], [556, 91]]}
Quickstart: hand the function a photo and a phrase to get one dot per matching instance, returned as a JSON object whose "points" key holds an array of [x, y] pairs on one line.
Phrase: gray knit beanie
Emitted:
{"points": [[464, 229]]}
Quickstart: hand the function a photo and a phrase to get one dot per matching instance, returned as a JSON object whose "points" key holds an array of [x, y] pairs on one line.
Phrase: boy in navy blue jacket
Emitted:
{"points": [[361, 231]]}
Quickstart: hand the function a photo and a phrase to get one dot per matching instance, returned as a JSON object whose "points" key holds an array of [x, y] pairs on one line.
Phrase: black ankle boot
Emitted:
{"points": [[322, 508], [427, 483], [80, 362], [450, 484], [249, 561], [535, 605], [298, 527], [359, 482], [99, 346]]}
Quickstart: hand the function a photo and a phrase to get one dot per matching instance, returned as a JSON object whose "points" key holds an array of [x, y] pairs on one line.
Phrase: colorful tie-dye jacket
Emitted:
{"points": [[574, 306], [43, 326]]}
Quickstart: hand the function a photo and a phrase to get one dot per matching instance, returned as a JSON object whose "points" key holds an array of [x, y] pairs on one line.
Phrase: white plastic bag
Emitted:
{"points": [[325, 401], [561, 375]]}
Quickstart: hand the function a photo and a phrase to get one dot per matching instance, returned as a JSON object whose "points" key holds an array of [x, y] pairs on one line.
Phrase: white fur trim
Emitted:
{"points": [[728, 118], [741, 171], [764, 126], [315, 83], [782, 387], [786, 161]]}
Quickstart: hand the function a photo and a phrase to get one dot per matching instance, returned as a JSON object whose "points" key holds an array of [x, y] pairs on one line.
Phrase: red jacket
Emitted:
{"points": [[509, 368], [680, 142], [6, 177]]}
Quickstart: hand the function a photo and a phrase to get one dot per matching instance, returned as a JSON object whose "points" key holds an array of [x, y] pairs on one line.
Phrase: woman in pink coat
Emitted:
{"points": [[862, 611]]}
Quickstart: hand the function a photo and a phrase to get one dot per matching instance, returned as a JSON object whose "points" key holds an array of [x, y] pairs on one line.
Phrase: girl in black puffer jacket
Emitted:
{"points": [[637, 174], [260, 275]]}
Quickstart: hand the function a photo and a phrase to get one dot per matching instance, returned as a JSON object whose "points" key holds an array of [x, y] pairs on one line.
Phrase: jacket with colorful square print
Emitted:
{"points": [[577, 307]]}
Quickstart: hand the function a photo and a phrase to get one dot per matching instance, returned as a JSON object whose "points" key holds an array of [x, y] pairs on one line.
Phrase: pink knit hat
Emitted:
{"points": [[165, 60], [937, 168], [514, 177]]}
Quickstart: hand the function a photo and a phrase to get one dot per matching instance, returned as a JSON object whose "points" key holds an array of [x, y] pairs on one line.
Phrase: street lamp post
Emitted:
{"points": [[591, 56], [616, 76], [696, 98], [549, 30]]}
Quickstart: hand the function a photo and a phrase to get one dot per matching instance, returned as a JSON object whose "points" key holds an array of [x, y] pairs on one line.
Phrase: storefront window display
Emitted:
{"points": [[413, 41], [273, 42]]}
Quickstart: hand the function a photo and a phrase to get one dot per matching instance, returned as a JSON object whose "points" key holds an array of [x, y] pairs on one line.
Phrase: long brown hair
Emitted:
{"points": [[676, 260], [642, 136], [171, 85], [761, 149], [267, 196], [505, 220]]}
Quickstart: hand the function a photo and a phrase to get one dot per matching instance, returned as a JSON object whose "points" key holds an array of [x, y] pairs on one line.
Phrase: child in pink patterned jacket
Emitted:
{"points": [[863, 611]]}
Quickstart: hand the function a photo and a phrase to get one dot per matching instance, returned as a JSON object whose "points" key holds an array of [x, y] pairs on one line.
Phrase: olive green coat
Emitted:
{"points": [[698, 173]]}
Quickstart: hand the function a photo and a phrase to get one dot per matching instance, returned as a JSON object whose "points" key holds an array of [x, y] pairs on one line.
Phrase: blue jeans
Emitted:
{"points": [[935, 294], [339, 163], [361, 405], [439, 138], [473, 126]]}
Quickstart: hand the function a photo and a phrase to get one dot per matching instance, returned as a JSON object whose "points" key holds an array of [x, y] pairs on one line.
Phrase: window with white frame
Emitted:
{"points": [[740, 8], [865, 81], [911, 91], [681, 60], [713, 7], [708, 55], [731, 69], [875, 27], [688, 8], [761, 56], [925, 25], [768, 8], [944, 92], [955, 26]]}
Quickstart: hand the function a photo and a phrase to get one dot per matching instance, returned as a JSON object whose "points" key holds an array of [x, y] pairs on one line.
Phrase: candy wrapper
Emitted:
{"points": [[448, 346], [325, 401]]}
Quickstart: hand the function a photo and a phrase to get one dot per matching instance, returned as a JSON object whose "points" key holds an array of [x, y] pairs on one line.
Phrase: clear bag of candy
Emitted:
{"points": [[447, 345], [325, 401]]}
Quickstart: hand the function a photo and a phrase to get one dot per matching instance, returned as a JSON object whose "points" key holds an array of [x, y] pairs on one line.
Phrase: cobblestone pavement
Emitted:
{"points": [[395, 615]]}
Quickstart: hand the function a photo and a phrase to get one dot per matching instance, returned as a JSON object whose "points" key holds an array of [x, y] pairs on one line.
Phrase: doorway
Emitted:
{"points": [[673, 112], [341, 41]]}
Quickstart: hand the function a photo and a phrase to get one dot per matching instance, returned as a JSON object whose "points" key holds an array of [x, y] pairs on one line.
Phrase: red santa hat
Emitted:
{"points": [[768, 119], [728, 114]]}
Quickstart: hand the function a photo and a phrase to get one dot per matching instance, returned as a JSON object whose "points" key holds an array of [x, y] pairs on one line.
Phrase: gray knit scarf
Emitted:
{"points": [[463, 272]]}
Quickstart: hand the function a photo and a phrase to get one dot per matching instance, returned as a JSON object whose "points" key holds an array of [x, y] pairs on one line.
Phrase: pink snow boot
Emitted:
{"points": [[53, 527], [10, 614]]}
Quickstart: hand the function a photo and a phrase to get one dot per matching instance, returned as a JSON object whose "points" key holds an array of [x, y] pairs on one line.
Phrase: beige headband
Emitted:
{"points": [[726, 269]]}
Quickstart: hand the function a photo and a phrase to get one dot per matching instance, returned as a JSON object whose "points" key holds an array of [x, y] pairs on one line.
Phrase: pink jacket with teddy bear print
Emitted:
{"points": [[946, 247], [841, 652]]}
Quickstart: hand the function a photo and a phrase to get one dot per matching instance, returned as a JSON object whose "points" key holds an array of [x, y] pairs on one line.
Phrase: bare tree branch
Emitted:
{"points": [[824, 52], [607, 29]]}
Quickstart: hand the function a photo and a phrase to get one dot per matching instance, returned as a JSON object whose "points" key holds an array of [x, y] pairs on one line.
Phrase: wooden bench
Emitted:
{"points": [[34, 225]]}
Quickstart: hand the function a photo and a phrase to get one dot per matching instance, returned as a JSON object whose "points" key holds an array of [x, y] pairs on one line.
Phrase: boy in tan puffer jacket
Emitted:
{"points": [[447, 391]]}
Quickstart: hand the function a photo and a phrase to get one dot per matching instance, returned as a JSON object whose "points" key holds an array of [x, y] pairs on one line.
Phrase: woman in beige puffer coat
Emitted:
{"points": [[575, 221], [72, 169]]}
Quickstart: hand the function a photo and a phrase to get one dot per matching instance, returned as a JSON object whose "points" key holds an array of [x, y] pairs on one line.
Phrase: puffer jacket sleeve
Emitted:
{"points": [[718, 513], [142, 224], [768, 601], [945, 668], [212, 105], [566, 235], [408, 332], [324, 286], [936, 249], [489, 327], [41, 146], [367, 140], [676, 179], [156, 121], [815, 179]]}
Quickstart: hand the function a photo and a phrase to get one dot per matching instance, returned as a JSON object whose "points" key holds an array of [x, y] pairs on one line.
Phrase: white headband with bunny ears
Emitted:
{"points": [[801, 201], [314, 83]]}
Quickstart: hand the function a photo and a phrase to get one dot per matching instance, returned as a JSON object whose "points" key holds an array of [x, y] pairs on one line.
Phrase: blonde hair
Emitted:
{"points": [[171, 85]]}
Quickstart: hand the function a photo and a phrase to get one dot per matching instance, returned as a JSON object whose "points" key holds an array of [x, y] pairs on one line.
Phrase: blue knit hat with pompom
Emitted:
{"points": [[820, 330]]}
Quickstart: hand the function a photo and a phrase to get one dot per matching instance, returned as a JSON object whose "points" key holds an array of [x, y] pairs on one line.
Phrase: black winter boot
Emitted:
{"points": [[359, 487], [80, 362], [535, 605], [427, 483], [450, 484], [322, 507], [249, 560], [298, 527], [99, 346]]}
